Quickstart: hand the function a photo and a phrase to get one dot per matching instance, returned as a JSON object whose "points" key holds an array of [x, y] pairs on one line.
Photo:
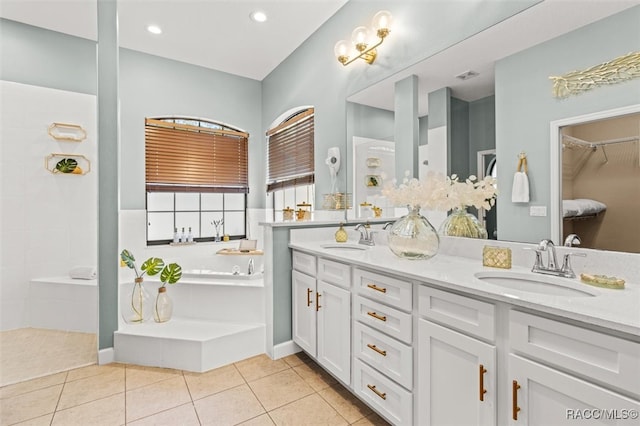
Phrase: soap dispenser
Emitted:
{"points": [[176, 237], [341, 234], [189, 236]]}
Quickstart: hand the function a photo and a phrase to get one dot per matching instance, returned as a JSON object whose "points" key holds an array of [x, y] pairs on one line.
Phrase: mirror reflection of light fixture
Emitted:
{"points": [[361, 39]]}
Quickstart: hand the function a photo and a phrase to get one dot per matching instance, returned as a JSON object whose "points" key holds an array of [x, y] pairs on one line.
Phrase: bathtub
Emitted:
{"points": [[209, 274], [63, 303]]}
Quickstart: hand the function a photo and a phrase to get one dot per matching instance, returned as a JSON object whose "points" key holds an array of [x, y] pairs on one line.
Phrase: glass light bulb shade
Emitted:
{"points": [[360, 35], [382, 20], [341, 48]]}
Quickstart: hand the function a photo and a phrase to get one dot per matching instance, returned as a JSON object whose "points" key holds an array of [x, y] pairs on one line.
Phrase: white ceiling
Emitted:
{"points": [[216, 34]]}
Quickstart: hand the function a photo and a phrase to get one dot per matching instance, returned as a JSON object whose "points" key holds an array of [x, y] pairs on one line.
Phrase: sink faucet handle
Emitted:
{"points": [[537, 265], [567, 270]]}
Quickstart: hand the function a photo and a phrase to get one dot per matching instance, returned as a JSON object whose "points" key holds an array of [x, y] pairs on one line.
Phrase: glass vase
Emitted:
{"points": [[461, 223], [163, 308], [136, 308], [413, 237]]}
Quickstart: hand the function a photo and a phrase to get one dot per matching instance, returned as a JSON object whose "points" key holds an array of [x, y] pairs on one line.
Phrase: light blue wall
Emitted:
{"points": [[482, 128], [525, 107], [459, 144]]}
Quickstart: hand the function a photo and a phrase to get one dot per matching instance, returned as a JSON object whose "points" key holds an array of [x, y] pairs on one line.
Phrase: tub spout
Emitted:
{"points": [[250, 267]]}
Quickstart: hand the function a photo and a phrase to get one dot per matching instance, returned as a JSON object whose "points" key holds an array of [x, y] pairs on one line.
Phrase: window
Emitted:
{"points": [[290, 161], [196, 172]]}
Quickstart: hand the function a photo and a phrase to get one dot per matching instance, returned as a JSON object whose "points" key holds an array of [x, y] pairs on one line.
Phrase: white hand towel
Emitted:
{"points": [[520, 189], [83, 272]]}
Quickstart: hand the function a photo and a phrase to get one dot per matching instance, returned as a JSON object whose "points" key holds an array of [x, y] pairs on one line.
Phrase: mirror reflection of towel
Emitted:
{"points": [[83, 272], [520, 189]]}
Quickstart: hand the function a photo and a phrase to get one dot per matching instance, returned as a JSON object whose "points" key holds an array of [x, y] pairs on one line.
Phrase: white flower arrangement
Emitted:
{"points": [[444, 193]]}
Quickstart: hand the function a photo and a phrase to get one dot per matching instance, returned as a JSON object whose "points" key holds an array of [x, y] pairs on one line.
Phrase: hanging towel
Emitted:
{"points": [[83, 272], [520, 190]]}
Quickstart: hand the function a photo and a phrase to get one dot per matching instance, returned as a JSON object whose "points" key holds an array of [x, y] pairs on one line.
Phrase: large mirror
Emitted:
{"points": [[501, 103]]}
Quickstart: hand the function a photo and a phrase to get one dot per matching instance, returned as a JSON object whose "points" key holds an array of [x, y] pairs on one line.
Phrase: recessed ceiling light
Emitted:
{"points": [[154, 29], [258, 16], [467, 75]]}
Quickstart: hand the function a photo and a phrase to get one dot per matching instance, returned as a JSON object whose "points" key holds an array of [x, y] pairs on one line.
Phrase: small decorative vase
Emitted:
{"points": [[413, 237], [137, 307], [163, 309], [461, 223]]}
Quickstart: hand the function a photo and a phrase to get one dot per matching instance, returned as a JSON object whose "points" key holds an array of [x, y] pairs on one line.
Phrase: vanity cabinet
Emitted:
{"points": [[457, 375], [321, 310]]}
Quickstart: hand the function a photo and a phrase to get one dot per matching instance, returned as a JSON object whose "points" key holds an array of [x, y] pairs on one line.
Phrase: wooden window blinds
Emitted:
{"points": [[290, 152], [187, 158]]}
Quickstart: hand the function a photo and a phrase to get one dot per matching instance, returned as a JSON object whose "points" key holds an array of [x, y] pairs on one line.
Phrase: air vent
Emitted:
{"points": [[467, 75]]}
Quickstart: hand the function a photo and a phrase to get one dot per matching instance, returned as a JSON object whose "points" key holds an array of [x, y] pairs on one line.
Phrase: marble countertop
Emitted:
{"points": [[617, 310]]}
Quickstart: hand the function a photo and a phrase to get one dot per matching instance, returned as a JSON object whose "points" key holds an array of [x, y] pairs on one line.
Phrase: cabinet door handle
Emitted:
{"points": [[377, 392], [318, 295], [377, 349], [482, 370], [309, 302], [514, 399], [376, 288], [376, 316]]}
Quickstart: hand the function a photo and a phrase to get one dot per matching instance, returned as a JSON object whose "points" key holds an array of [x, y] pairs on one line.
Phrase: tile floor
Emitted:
{"points": [[257, 391], [27, 353]]}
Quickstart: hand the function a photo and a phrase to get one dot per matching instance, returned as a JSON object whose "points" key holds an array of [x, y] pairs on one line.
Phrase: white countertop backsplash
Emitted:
{"points": [[458, 259]]}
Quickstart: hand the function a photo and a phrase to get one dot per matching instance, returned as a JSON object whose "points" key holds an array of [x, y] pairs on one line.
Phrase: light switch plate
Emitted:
{"points": [[538, 211]]}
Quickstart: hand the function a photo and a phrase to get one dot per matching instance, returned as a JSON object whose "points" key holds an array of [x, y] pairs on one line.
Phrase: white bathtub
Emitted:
{"points": [[63, 303]]}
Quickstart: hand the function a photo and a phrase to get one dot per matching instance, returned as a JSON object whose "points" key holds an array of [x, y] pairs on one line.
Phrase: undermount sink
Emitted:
{"points": [[344, 246], [533, 283]]}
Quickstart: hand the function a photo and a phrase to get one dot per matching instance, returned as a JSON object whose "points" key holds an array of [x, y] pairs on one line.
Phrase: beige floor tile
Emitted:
{"points": [[157, 397], [311, 410], [297, 359], [345, 403], [372, 420], [29, 405], [184, 415], [106, 411], [214, 381], [315, 376], [280, 389], [263, 420], [229, 407], [137, 376], [38, 421], [80, 391], [260, 366], [31, 385], [93, 370]]}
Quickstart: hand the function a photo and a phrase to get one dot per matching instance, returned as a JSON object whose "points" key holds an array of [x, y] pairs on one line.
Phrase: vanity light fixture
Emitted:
{"points": [[154, 29], [361, 40]]}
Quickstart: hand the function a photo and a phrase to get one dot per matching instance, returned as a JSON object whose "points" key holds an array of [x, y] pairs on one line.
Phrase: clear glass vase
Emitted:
{"points": [[413, 237], [163, 308], [461, 223], [136, 308]]}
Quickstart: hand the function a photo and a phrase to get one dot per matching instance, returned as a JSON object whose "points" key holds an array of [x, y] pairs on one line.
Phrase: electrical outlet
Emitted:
{"points": [[538, 211]]}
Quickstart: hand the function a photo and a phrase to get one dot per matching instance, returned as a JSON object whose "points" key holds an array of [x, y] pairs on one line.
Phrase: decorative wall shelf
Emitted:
{"points": [[67, 164], [67, 132], [229, 251]]}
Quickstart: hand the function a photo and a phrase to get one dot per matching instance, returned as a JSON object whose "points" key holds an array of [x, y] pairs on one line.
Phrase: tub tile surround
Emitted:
{"points": [[459, 258]]}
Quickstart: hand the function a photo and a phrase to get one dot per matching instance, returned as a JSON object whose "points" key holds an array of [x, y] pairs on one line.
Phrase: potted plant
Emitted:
{"points": [[163, 308]]}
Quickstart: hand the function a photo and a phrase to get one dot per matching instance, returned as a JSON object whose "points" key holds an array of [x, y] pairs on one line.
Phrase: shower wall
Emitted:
{"points": [[48, 221]]}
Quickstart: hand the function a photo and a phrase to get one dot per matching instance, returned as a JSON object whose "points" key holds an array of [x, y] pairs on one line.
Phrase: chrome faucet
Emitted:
{"points": [[572, 240], [366, 234], [250, 267], [552, 262], [387, 225]]}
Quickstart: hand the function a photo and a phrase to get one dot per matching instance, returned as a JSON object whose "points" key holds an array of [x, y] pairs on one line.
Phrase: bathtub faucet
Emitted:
{"points": [[250, 267]]}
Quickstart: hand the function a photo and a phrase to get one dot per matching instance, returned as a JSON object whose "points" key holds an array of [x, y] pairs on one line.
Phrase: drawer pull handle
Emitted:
{"points": [[376, 288], [377, 392], [482, 370], [376, 316], [309, 302], [514, 397], [318, 295], [377, 349]]}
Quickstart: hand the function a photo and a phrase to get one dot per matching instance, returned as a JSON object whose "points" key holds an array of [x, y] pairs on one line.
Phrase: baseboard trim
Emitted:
{"points": [[106, 356], [284, 349]]}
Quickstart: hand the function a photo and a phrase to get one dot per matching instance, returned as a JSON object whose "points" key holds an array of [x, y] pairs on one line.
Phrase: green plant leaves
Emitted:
{"points": [[66, 165], [171, 274], [152, 266], [128, 258]]}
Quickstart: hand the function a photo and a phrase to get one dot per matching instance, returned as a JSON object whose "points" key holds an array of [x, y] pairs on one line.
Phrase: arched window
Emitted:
{"points": [[196, 174], [290, 160]]}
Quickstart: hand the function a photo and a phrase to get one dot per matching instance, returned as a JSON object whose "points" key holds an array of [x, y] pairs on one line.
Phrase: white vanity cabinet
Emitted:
{"points": [[321, 310], [457, 375], [382, 344]]}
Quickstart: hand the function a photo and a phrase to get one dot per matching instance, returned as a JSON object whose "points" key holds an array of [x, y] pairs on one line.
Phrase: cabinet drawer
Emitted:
{"points": [[383, 318], [384, 289], [387, 355], [304, 263], [606, 359], [334, 273], [462, 313], [389, 398]]}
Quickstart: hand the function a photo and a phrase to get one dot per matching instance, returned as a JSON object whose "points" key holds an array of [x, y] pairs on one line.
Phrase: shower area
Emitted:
{"points": [[48, 186]]}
